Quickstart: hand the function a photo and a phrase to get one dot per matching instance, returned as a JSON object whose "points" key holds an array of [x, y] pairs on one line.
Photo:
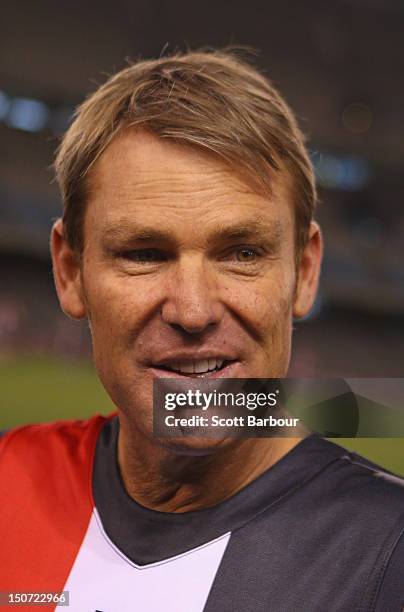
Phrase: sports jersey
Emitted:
{"points": [[318, 531]]}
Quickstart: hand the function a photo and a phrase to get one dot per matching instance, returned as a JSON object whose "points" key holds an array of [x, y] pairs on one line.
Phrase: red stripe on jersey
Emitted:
{"points": [[45, 502]]}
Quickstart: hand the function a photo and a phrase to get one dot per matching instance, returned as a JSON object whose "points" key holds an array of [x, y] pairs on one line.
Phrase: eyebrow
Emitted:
{"points": [[255, 228], [131, 232]]}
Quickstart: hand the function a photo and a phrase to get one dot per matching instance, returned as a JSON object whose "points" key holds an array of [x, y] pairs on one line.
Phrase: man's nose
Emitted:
{"points": [[192, 303]]}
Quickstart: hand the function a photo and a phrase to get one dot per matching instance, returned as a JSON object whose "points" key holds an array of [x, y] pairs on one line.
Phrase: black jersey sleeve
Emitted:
{"points": [[391, 594]]}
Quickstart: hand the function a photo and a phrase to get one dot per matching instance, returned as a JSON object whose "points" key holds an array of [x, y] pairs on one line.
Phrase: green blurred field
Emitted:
{"points": [[37, 389]]}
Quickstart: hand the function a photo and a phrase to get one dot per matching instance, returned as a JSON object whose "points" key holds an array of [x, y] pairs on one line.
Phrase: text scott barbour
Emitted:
{"points": [[205, 400]]}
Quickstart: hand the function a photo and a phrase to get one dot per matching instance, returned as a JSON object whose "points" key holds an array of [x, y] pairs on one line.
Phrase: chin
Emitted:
{"points": [[194, 446]]}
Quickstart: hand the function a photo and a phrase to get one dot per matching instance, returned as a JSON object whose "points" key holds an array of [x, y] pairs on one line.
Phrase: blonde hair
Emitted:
{"points": [[209, 99]]}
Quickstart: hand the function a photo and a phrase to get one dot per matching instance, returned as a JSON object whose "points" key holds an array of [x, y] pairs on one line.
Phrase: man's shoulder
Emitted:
{"points": [[52, 435], [357, 480], [372, 510], [357, 464], [59, 455]]}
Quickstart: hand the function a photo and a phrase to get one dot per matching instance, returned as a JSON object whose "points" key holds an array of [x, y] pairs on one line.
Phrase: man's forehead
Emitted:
{"points": [[142, 181], [147, 154], [147, 164]]}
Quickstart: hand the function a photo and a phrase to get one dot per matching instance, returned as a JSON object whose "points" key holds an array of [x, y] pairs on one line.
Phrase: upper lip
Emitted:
{"points": [[187, 356]]}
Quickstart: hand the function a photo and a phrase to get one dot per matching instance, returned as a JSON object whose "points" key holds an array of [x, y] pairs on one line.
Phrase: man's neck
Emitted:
{"points": [[168, 481]]}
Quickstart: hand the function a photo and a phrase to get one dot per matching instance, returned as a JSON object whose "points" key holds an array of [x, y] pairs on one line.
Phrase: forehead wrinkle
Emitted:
{"points": [[166, 181], [183, 202], [164, 190]]}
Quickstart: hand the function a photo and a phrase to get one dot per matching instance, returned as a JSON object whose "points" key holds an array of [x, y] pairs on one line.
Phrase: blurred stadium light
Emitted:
{"points": [[33, 115], [27, 114], [348, 173]]}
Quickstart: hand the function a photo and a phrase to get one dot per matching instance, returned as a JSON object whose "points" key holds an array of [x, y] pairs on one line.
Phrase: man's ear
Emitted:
{"points": [[67, 274], [308, 272]]}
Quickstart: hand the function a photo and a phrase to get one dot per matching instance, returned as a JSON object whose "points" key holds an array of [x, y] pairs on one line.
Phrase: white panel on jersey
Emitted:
{"points": [[103, 579]]}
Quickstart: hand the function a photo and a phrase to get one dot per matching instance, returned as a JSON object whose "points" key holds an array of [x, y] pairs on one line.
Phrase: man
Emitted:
{"points": [[188, 241]]}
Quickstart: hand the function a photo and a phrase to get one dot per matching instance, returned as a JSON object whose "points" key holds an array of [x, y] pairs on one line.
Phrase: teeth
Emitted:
{"points": [[187, 368], [201, 366], [211, 364], [196, 367]]}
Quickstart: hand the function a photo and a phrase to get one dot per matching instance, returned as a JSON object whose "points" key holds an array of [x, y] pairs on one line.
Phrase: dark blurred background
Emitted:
{"points": [[340, 66]]}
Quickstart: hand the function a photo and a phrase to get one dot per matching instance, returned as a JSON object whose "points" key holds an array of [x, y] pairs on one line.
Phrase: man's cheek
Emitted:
{"points": [[108, 303], [267, 309]]}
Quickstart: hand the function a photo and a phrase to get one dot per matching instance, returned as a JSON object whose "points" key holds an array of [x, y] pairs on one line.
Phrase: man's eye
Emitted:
{"points": [[246, 254], [144, 255], [243, 254]]}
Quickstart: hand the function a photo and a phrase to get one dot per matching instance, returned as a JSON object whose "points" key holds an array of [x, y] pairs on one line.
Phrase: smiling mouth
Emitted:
{"points": [[196, 368]]}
